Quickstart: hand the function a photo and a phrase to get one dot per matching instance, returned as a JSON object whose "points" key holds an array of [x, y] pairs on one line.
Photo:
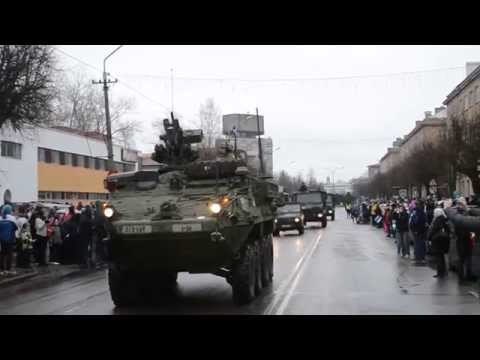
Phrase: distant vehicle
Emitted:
{"points": [[330, 206], [289, 217], [313, 205]]}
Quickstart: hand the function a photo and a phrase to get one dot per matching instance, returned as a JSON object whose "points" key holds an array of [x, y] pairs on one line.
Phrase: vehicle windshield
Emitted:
{"points": [[329, 200], [289, 208], [309, 198]]}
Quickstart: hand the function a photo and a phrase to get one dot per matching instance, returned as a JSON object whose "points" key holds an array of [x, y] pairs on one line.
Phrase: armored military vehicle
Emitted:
{"points": [[330, 206], [193, 215], [313, 205]]}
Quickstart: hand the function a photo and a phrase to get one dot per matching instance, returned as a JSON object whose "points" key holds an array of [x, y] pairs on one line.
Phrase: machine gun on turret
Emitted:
{"points": [[176, 149]]}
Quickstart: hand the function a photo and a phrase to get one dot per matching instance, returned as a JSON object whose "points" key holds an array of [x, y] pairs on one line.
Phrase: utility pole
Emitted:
{"points": [[105, 82]]}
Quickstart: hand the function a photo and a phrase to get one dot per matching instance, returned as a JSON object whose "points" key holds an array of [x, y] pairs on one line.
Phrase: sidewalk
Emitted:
{"points": [[52, 271], [421, 276]]}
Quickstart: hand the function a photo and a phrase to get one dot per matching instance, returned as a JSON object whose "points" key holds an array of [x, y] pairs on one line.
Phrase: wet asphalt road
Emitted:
{"points": [[343, 269]]}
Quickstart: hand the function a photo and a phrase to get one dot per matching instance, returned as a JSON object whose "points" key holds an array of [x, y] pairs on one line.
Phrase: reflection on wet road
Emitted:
{"points": [[342, 269]]}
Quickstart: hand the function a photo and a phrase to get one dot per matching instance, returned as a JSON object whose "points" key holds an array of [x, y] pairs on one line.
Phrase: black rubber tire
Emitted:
{"points": [[324, 224], [243, 277], [124, 289], [276, 233], [258, 267], [267, 262], [333, 217], [157, 286], [301, 231]]}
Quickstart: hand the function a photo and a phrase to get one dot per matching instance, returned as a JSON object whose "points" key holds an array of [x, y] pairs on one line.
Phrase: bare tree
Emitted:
{"points": [[26, 86], [464, 149], [79, 104], [209, 121]]}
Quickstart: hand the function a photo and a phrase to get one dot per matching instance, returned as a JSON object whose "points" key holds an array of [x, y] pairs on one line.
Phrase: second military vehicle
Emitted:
{"points": [[289, 217], [330, 206], [194, 215], [313, 205]]}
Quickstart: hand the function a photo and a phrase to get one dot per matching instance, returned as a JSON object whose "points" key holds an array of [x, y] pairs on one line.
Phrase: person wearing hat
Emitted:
{"points": [[439, 235]]}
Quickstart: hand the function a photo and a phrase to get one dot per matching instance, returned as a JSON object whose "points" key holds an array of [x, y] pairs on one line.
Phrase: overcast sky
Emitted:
{"points": [[336, 112]]}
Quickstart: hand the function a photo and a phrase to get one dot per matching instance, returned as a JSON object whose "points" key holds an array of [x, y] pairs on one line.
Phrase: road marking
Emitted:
{"points": [[286, 300], [295, 276]]}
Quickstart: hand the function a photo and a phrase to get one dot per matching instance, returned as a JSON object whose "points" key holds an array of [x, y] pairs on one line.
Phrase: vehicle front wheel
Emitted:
{"points": [[333, 217], [267, 261], [243, 277], [276, 233], [301, 231], [324, 224], [123, 287]]}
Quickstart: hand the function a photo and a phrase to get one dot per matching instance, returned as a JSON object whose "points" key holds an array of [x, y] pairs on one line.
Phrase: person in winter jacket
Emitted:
{"points": [[8, 227], [41, 238], [464, 247], [85, 235], [439, 235], [387, 221], [394, 217], [403, 244], [429, 209], [418, 225], [24, 239]]}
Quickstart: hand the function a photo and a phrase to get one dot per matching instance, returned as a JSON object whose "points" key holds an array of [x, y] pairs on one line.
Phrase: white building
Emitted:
{"points": [[58, 164]]}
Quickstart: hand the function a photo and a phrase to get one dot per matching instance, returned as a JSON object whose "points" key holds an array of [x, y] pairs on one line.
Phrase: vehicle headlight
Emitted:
{"points": [[320, 215], [108, 212], [275, 221], [330, 211], [215, 208], [297, 219]]}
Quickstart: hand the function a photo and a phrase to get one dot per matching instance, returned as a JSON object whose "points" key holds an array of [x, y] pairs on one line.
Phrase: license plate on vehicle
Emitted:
{"points": [[136, 229], [186, 227]]}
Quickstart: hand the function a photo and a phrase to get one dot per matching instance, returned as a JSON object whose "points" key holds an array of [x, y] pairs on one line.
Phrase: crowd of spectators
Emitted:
{"points": [[34, 234]]}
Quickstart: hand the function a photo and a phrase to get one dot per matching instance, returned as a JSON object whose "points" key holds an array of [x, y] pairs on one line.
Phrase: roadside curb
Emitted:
{"points": [[17, 279], [51, 274]]}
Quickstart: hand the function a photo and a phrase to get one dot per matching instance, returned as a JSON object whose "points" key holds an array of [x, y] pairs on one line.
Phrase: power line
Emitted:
{"points": [[298, 79], [77, 59], [119, 80]]}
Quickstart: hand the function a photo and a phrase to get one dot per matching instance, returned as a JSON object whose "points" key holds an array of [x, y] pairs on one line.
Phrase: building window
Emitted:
{"points": [[68, 159], [11, 149], [58, 195], [97, 164], [48, 156], [74, 160], [61, 156], [86, 162]]}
